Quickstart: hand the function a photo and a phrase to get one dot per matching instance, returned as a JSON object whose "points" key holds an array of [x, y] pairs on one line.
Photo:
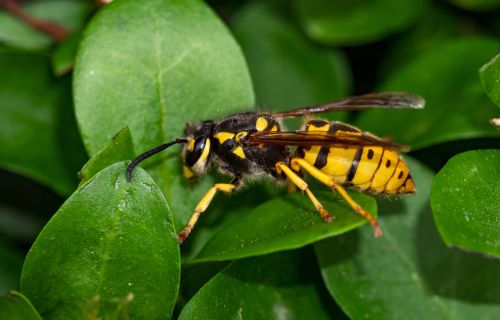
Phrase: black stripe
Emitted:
{"points": [[395, 169], [354, 165], [322, 157]]}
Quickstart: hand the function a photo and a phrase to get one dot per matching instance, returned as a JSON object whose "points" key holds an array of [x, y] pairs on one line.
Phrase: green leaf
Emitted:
{"points": [[110, 248], [490, 77], [476, 5], [269, 287], [63, 58], [281, 224], [465, 201], [154, 66], [287, 69], [456, 106], [438, 25], [408, 273], [356, 22], [120, 148], [38, 132], [70, 15], [15, 306]]}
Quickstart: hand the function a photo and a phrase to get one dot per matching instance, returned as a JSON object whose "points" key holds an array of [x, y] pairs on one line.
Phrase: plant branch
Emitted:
{"points": [[52, 29]]}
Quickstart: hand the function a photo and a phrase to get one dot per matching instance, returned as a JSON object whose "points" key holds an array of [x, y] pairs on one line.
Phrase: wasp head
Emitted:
{"points": [[196, 152]]}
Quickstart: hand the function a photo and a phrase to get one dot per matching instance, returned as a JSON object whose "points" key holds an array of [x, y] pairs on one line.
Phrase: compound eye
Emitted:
{"points": [[193, 156]]}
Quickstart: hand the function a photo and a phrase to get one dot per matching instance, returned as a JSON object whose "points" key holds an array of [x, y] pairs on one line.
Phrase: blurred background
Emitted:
{"points": [[299, 53]]}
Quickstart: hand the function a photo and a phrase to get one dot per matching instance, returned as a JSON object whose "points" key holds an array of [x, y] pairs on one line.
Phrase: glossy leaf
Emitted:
{"points": [[153, 66], [16, 33], [283, 223], [268, 287], [15, 306], [476, 5], [110, 248], [490, 77], [356, 22], [465, 201], [38, 133], [456, 106], [119, 149], [287, 69], [408, 273]]}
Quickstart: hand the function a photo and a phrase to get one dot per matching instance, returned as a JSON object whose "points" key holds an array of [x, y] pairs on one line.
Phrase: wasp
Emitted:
{"points": [[337, 154]]}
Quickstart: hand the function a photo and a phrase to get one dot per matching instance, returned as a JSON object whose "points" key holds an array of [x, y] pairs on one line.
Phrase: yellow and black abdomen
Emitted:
{"points": [[373, 169]]}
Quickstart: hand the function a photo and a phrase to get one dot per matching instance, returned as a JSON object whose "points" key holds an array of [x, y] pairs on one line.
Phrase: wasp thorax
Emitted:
{"points": [[196, 152]]}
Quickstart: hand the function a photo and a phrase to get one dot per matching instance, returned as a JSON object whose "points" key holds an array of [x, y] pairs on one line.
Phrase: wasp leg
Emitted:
{"points": [[302, 185], [205, 202], [327, 180]]}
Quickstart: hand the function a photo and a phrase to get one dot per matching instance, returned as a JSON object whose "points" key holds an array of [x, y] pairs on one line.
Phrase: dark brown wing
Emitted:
{"points": [[317, 138], [395, 100]]}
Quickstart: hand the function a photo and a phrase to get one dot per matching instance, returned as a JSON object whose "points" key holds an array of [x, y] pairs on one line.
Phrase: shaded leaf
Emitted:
{"points": [[287, 69], [476, 5], [63, 58], [490, 77], [438, 25], [356, 22], [283, 223], [38, 133], [15, 306], [120, 148], [408, 273], [16, 33], [456, 106], [465, 201], [154, 66], [268, 287], [111, 246]]}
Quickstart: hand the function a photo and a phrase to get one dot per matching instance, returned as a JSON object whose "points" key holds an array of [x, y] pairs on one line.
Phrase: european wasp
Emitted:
{"points": [[334, 153]]}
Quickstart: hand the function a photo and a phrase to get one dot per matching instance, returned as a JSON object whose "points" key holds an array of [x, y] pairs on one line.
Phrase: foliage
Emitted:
{"points": [[143, 69]]}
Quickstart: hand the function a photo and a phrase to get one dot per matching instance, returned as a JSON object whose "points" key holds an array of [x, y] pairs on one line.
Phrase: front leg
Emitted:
{"points": [[205, 202]]}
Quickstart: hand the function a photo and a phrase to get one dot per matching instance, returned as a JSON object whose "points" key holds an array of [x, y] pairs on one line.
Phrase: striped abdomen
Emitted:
{"points": [[373, 169]]}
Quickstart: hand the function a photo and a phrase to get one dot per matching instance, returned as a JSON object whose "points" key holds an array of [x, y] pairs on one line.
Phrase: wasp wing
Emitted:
{"points": [[394, 100], [320, 138]]}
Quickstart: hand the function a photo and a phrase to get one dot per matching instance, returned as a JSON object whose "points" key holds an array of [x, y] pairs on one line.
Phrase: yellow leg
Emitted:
{"points": [[330, 182], [203, 205], [302, 185]]}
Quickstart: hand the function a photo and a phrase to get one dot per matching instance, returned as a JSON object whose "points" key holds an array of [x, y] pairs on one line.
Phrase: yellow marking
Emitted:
{"points": [[188, 173], [339, 162], [202, 206], [205, 153], [223, 136], [274, 128], [384, 172], [311, 127], [311, 154], [302, 185], [398, 178], [240, 135], [261, 124], [330, 182], [367, 167], [239, 152], [190, 144]]}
